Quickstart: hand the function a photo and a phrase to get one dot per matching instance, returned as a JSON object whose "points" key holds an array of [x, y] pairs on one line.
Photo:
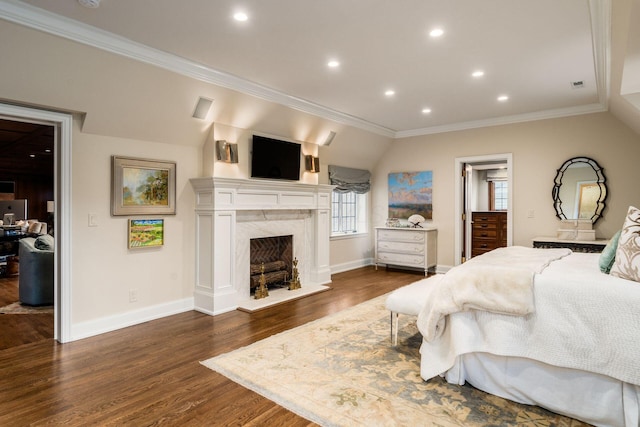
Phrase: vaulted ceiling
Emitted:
{"points": [[375, 64], [545, 56]]}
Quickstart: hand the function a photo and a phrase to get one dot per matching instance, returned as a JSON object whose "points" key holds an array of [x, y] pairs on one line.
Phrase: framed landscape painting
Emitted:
{"points": [[410, 193], [145, 233], [143, 187]]}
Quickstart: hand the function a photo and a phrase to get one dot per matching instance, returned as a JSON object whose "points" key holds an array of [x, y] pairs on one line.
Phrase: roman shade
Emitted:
{"points": [[349, 179]]}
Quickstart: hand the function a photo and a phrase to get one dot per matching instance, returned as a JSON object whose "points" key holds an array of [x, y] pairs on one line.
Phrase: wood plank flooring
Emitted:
{"points": [[19, 329], [150, 374]]}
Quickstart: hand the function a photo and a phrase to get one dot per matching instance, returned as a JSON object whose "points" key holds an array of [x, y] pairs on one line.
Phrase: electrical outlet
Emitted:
{"points": [[133, 295], [531, 214]]}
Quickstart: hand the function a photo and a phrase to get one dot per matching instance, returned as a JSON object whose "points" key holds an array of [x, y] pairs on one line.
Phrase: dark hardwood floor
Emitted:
{"points": [[150, 374], [19, 329]]}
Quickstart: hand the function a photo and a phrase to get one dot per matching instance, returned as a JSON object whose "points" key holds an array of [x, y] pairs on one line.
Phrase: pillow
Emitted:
{"points": [[44, 243], [608, 255], [627, 262], [34, 228]]}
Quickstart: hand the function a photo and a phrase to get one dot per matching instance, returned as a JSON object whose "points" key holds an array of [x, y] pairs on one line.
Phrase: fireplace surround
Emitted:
{"points": [[231, 212]]}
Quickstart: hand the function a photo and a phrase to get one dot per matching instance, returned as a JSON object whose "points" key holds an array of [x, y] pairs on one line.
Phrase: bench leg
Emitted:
{"points": [[394, 328]]}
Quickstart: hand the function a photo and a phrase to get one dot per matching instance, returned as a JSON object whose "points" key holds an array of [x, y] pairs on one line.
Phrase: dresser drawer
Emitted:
{"points": [[486, 245], [485, 233], [484, 225], [476, 252], [401, 236], [485, 218], [401, 247], [401, 259]]}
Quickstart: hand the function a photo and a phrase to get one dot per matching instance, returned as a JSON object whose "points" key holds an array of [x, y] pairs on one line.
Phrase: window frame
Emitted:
{"points": [[361, 202]]}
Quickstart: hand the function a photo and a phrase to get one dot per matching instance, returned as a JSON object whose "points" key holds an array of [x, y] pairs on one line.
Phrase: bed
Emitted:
{"points": [[538, 326]]}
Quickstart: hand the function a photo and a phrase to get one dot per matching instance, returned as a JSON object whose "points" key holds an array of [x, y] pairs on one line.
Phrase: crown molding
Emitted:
{"points": [[600, 11], [505, 120], [42, 20]]}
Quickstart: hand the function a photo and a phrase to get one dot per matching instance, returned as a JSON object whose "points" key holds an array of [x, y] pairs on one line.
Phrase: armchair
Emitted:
{"points": [[35, 285]]}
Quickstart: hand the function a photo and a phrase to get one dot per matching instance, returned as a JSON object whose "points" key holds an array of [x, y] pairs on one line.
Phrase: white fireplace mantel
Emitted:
{"points": [[231, 209]]}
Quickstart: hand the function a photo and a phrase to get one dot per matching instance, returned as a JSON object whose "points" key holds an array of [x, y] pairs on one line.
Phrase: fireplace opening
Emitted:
{"points": [[276, 254]]}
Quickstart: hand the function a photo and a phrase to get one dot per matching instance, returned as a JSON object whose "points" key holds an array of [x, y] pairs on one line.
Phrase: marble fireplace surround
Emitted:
{"points": [[230, 212]]}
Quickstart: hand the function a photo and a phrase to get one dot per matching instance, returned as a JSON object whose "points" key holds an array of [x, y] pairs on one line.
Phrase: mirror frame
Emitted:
{"points": [[601, 181]]}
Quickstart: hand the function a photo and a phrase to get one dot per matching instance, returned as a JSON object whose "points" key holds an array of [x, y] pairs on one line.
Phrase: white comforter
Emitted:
{"points": [[583, 319], [487, 283]]}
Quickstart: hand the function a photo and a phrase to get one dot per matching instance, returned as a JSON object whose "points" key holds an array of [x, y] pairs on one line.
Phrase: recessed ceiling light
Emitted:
{"points": [[436, 32], [333, 64], [390, 92], [503, 98], [32, 155], [478, 73], [240, 16], [426, 110]]}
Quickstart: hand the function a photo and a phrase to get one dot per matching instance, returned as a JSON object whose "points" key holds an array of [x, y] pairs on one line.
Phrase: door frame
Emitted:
{"points": [[459, 165], [63, 125]]}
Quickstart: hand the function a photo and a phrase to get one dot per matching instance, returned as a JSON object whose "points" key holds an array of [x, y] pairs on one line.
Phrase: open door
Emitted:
{"points": [[466, 214], [472, 197]]}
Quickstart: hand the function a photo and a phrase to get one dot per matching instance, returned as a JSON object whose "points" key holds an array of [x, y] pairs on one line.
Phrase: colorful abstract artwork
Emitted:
{"points": [[410, 193]]}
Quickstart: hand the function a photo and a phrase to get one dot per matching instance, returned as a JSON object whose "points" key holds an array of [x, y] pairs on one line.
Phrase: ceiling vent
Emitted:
{"points": [[577, 85]]}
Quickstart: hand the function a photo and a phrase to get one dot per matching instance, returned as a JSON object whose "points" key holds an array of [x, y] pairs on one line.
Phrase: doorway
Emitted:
{"points": [[473, 194], [62, 125]]}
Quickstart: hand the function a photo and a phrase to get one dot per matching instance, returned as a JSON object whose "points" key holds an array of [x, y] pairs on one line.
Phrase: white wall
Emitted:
{"points": [[539, 149]]}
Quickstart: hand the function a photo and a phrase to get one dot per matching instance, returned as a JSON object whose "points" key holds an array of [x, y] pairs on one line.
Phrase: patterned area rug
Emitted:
{"points": [[17, 308], [342, 371]]}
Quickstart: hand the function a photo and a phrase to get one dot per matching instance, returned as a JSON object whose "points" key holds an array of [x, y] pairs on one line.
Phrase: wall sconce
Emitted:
{"points": [[50, 206], [226, 151], [312, 164]]}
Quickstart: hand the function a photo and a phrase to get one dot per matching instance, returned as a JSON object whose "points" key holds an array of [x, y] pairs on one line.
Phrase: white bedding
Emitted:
{"points": [[500, 281], [583, 319]]}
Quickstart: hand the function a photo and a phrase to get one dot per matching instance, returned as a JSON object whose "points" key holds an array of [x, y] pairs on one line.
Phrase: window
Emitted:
{"points": [[348, 213], [498, 196]]}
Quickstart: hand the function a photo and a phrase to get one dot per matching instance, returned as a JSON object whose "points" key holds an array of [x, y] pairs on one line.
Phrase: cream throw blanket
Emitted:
{"points": [[500, 281]]}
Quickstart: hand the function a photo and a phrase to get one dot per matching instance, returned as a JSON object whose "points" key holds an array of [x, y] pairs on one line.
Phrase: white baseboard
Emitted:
{"points": [[347, 266], [118, 321], [442, 269], [351, 265]]}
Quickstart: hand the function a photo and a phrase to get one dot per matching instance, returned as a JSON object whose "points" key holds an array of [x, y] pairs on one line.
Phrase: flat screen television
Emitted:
{"points": [[275, 159]]}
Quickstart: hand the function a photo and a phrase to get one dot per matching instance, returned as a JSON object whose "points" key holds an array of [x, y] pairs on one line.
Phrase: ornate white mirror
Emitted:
{"points": [[580, 190]]}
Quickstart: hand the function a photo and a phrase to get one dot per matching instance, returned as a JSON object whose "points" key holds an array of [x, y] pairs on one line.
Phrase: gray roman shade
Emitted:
{"points": [[349, 179]]}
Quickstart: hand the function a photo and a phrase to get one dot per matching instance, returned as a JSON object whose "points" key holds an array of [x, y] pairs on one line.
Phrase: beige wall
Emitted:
{"points": [[103, 268], [123, 107], [539, 149]]}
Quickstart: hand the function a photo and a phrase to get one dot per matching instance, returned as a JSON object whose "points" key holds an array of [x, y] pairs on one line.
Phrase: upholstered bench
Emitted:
{"points": [[408, 300]]}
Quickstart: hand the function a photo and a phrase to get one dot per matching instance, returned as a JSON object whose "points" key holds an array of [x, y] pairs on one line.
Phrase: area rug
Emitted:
{"points": [[17, 308], [342, 371]]}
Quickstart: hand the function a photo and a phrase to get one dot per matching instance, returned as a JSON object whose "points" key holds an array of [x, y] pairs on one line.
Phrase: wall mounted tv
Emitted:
{"points": [[275, 159]]}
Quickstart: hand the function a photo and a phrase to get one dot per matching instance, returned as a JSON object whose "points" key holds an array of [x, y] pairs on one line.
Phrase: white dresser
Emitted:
{"points": [[406, 247]]}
